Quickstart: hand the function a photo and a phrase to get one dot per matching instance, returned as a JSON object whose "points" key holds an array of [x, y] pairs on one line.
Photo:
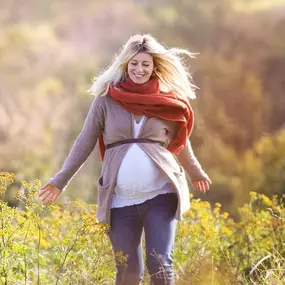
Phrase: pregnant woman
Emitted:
{"points": [[142, 121]]}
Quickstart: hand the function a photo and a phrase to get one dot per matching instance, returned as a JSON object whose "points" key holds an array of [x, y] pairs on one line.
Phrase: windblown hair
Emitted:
{"points": [[168, 67]]}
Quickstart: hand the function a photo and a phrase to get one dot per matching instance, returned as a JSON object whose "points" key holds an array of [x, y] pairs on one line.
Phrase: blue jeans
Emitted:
{"points": [[157, 217]]}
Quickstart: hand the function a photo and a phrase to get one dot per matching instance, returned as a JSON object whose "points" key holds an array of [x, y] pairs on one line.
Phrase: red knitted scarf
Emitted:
{"points": [[146, 99]]}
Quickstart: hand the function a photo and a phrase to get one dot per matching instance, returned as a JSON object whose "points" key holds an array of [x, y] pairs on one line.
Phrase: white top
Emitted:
{"points": [[139, 178]]}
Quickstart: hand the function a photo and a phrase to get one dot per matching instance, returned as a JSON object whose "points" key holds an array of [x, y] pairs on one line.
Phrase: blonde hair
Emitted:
{"points": [[168, 67]]}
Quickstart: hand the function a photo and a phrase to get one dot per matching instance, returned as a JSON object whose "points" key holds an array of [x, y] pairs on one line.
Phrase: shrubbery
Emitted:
{"points": [[55, 244]]}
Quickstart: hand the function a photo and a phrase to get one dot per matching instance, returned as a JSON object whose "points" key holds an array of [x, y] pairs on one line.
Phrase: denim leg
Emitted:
{"points": [[126, 235], [160, 226]]}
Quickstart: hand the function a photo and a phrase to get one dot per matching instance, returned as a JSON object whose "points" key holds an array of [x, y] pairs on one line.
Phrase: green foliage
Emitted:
{"points": [[232, 252], [53, 244]]}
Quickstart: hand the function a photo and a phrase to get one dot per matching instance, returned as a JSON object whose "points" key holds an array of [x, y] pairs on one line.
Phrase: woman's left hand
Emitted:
{"points": [[202, 185]]}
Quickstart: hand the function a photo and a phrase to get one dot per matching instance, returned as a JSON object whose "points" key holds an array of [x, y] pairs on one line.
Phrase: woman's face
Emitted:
{"points": [[140, 68]]}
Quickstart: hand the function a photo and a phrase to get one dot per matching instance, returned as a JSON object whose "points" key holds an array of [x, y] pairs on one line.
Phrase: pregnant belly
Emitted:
{"points": [[138, 174]]}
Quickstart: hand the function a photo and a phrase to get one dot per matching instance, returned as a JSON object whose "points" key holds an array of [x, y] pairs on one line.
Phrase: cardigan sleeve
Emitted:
{"points": [[83, 145], [191, 164]]}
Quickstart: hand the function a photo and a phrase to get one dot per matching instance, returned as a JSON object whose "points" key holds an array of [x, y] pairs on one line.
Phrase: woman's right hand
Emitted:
{"points": [[50, 193]]}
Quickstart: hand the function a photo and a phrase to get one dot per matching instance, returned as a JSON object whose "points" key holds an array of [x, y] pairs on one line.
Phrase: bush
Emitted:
{"points": [[64, 244]]}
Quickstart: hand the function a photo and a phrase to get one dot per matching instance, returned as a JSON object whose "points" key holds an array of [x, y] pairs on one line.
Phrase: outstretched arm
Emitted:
{"points": [[199, 179], [82, 148]]}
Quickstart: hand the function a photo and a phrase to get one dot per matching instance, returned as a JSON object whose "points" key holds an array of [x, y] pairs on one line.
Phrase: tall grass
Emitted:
{"points": [[64, 244]]}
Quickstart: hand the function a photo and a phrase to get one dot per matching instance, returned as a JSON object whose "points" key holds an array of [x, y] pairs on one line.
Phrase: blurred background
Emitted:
{"points": [[51, 50]]}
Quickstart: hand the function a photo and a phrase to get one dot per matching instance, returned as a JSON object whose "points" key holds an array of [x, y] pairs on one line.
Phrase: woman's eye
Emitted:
{"points": [[146, 65], [133, 63]]}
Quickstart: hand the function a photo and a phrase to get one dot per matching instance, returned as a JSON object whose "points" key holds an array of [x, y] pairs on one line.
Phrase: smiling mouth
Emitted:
{"points": [[139, 76]]}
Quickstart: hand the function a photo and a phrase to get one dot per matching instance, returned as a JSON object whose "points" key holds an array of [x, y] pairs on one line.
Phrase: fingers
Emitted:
{"points": [[202, 186], [55, 197], [42, 192], [47, 197], [49, 194]]}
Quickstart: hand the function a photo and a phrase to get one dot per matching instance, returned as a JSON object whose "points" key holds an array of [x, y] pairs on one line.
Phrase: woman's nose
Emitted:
{"points": [[139, 68]]}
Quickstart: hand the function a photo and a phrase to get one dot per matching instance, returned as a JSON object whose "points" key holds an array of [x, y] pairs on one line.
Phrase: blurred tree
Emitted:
{"points": [[262, 169]]}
